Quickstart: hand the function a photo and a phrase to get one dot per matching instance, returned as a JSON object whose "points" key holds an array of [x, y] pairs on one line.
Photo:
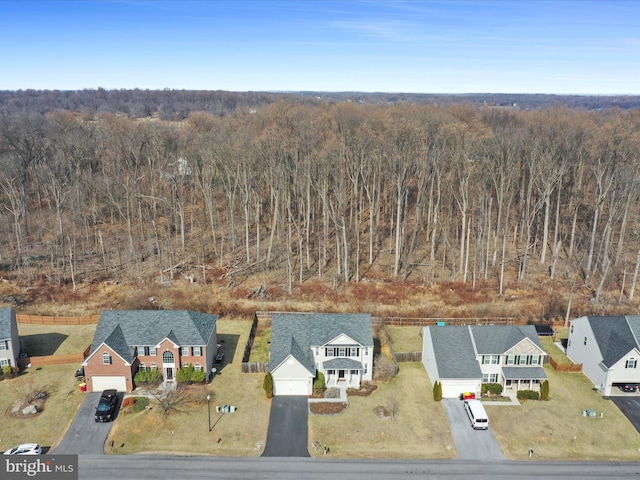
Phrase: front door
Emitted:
{"points": [[168, 373], [341, 375]]}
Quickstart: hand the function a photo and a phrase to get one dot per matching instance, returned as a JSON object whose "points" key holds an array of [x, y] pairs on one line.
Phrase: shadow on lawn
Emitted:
{"points": [[42, 344], [228, 344]]}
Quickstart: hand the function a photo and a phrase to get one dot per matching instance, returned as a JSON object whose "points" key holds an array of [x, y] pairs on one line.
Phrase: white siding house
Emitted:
{"points": [[462, 358], [607, 348], [339, 346]]}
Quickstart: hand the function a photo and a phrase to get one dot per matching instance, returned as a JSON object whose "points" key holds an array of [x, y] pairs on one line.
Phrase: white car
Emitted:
{"points": [[25, 449]]}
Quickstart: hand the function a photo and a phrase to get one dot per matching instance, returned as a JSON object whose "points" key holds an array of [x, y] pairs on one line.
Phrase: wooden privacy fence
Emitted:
{"points": [[408, 357], [49, 320], [255, 367], [564, 367], [54, 359]]}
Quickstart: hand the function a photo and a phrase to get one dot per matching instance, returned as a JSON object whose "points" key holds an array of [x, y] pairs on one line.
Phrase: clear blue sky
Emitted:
{"points": [[582, 47]]}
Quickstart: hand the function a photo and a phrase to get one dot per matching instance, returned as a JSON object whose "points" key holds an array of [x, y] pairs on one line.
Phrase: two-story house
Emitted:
{"points": [[462, 358], [9, 339], [130, 340], [608, 349], [338, 345]]}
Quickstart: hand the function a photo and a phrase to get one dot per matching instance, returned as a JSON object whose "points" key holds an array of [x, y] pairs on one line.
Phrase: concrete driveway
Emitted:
{"points": [[480, 445], [85, 435], [630, 406], [287, 435]]}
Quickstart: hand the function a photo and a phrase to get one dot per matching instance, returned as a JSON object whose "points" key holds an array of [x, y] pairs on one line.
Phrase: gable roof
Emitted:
{"points": [[616, 336], [499, 339], [6, 323], [123, 329], [454, 352], [295, 333]]}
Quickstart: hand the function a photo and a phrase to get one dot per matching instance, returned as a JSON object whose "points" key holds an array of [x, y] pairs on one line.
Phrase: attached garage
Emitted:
{"points": [[292, 387], [105, 382], [453, 388], [292, 378]]}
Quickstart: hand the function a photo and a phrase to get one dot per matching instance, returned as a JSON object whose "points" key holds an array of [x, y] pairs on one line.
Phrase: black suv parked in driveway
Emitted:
{"points": [[106, 406]]}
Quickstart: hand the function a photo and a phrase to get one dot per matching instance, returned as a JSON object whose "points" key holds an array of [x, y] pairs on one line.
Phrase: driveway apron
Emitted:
{"points": [[630, 406], [287, 435], [480, 445], [85, 435]]}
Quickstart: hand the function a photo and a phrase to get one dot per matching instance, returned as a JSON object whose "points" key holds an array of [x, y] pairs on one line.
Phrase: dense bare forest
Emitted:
{"points": [[288, 192]]}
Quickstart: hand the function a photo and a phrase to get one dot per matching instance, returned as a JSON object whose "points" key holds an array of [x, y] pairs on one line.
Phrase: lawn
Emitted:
{"points": [[405, 339], [261, 345], [39, 340], [556, 430], [419, 428], [48, 426], [241, 433], [556, 353]]}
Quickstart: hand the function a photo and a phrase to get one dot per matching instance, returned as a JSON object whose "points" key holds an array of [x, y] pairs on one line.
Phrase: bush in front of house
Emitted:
{"points": [[267, 385], [491, 389], [188, 374], [7, 371], [147, 377], [544, 390], [437, 391], [140, 403], [528, 395], [318, 384]]}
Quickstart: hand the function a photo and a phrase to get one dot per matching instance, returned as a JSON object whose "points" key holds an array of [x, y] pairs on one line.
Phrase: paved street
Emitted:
{"points": [[108, 467]]}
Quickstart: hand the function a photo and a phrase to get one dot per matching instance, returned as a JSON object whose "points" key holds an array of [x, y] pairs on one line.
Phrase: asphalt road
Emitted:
{"points": [[108, 467], [480, 445], [85, 435], [287, 435]]}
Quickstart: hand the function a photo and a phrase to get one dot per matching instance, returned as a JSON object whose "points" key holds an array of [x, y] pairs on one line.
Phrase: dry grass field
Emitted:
{"points": [[556, 430], [405, 339], [40, 340], [241, 433], [419, 428], [48, 426]]}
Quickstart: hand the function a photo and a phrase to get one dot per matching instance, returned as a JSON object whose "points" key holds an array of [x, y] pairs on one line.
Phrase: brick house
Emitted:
{"points": [[130, 340]]}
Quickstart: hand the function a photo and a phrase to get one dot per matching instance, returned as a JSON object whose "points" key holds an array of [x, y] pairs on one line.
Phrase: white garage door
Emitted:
{"points": [[291, 387], [101, 382], [454, 389]]}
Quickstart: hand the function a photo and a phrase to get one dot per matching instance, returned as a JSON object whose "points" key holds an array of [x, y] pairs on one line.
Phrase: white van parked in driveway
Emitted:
{"points": [[477, 414]]}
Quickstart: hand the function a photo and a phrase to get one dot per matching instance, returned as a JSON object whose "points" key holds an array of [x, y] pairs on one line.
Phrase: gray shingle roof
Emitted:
{"points": [[616, 336], [5, 323], [124, 329], [524, 373], [295, 334], [454, 353], [498, 339], [342, 363]]}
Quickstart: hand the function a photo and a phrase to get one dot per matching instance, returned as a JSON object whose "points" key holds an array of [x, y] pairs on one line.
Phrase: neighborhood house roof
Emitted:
{"points": [[499, 339], [616, 336], [5, 323], [524, 373], [456, 348], [122, 330], [454, 352], [296, 333]]}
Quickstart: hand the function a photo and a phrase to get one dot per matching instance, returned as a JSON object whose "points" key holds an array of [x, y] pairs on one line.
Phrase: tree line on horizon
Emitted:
{"points": [[456, 193]]}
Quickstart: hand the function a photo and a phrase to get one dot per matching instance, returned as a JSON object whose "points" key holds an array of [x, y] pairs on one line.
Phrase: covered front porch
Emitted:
{"points": [[523, 378], [342, 372]]}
